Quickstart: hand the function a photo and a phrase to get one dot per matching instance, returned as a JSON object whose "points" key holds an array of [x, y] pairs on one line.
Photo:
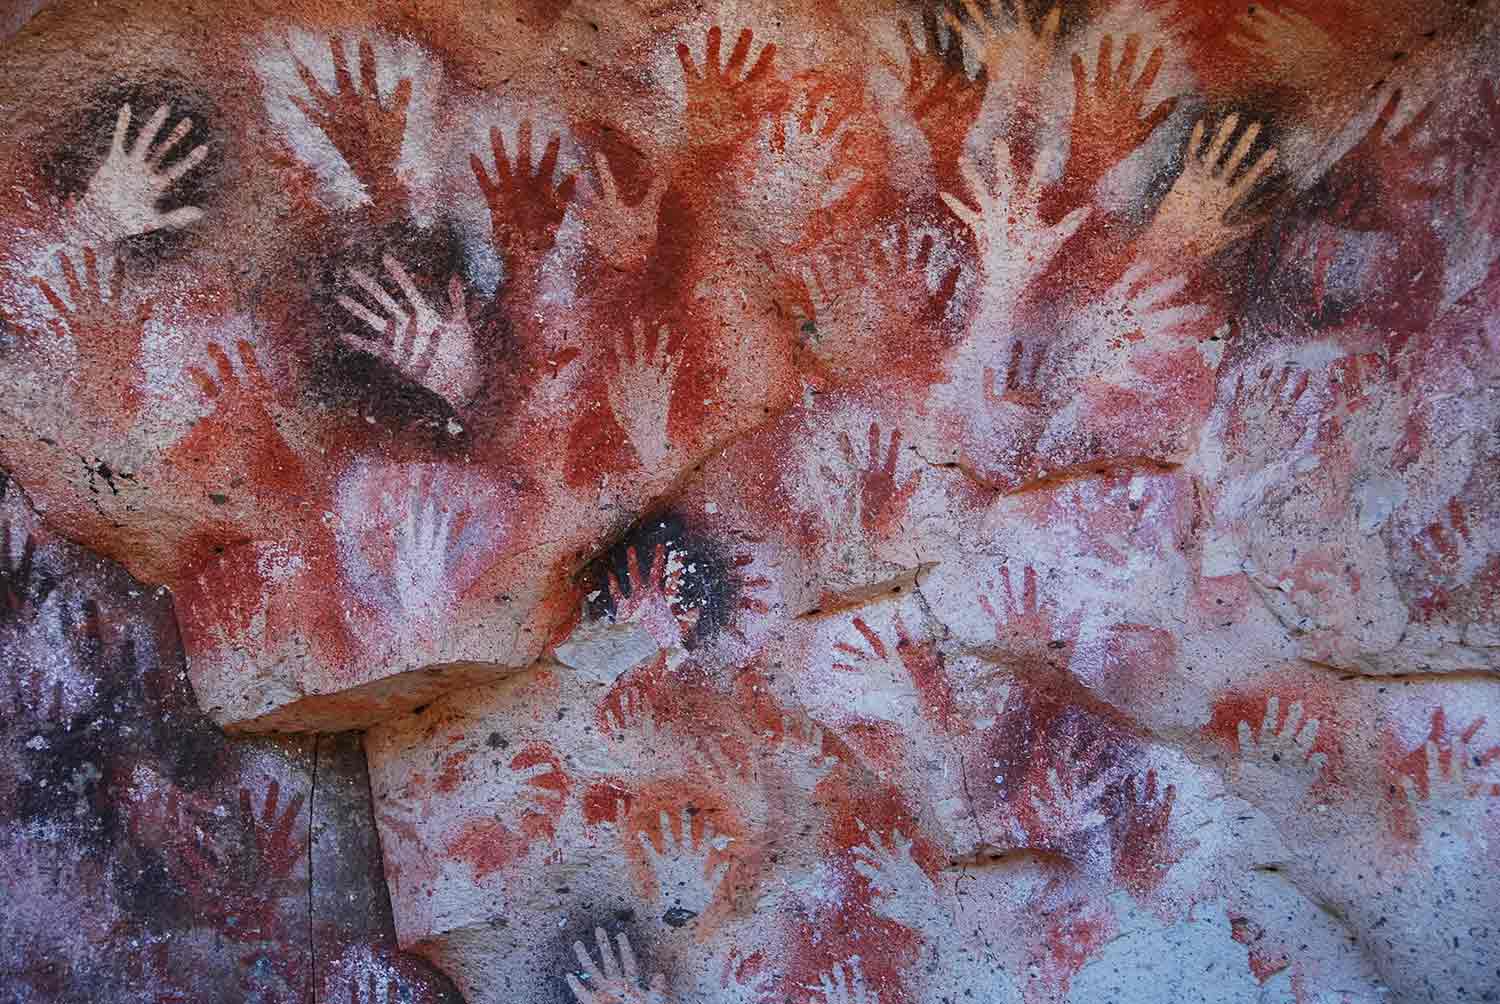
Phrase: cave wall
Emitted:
{"points": [[147, 857], [860, 501]]}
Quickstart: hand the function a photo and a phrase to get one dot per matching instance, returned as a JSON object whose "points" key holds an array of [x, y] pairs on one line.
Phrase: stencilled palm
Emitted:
{"points": [[1029, 626], [724, 98], [244, 425], [1447, 548], [32, 699], [1408, 175], [1474, 242], [121, 198], [424, 538], [653, 597], [368, 132], [728, 770], [1288, 47], [1143, 849], [1279, 753], [938, 93], [435, 352], [520, 790], [1107, 123], [802, 169], [1007, 42], [1448, 795], [1015, 244], [629, 713], [845, 984], [984, 702], [526, 208], [687, 862], [161, 815], [1067, 802], [886, 691], [839, 302], [1196, 212], [613, 981], [920, 261], [277, 838], [628, 721], [874, 497], [1140, 304], [804, 737], [902, 889], [622, 233], [235, 624], [1021, 382], [894, 277], [104, 331], [640, 390], [1270, 424]]}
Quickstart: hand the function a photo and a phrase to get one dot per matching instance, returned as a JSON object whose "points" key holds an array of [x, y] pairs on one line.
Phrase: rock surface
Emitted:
{"points": [[145, 857], [861, 502]]}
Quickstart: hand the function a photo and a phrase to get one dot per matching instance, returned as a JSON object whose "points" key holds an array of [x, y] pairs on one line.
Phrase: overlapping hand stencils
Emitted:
{"points": [[906, 495]]}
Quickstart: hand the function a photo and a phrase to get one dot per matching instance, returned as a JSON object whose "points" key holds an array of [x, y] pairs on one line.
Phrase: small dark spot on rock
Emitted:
{"points": [[677, 916]]}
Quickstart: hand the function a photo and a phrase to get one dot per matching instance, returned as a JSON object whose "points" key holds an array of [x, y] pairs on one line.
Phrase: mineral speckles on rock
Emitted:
{"points": [[869, 502]]}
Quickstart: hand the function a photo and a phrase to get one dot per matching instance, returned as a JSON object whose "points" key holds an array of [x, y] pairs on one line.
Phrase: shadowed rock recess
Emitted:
{"points": [[750, 501]]}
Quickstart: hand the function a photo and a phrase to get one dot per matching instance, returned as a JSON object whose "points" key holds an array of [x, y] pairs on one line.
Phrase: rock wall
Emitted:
{"points": [[861, 501], [145, 857]]}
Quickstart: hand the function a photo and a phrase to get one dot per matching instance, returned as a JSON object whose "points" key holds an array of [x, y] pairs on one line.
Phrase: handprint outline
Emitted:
{"points": [[435, 352], [875, 497], [526, 208], [1015, 244], [641, 386], [1007, 43], [686, 860], [122, 196], [1280, 753], [1211, 187], [367, 130], [721, 102], [613, 980], [1107, 123], [624, 233]]}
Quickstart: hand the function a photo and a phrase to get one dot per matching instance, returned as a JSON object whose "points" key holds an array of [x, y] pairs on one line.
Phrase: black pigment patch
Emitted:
{"points": [[708, 586], [678, 917], [616, 915]]}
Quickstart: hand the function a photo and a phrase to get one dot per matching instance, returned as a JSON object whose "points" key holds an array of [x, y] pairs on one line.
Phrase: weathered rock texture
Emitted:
{"points": [[862, 501], [144, 857]]}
